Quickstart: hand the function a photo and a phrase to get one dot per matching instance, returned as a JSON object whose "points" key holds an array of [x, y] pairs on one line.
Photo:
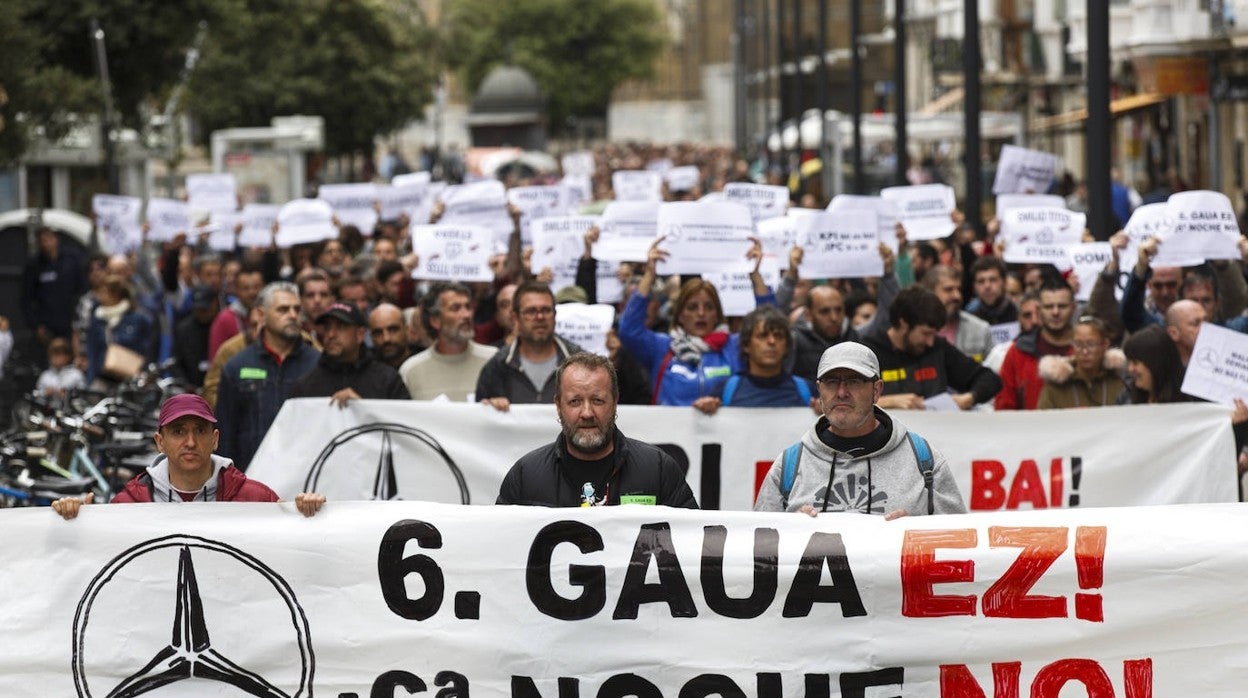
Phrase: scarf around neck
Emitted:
{"points": [[689, 349]]}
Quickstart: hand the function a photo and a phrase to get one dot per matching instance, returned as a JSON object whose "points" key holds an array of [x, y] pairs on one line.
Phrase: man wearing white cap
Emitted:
{"points": [[856, 457]]}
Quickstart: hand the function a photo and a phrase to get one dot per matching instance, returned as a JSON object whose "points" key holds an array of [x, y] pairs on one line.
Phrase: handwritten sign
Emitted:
{"points": [[637, 185], [703, 237], [585, 325], [1088, 259], [1006, 202], [482, 204], [1204, 227], [304, 220], [401, 200], [887, 215], [736, 289], [452, 252], [763, 200], [1041, 235], [1218, 371], [577, 190], [840, 245], [211, 192], [222, 230], [1149, 220], [166, 218], [258, 220], [1024, 171], [628, 229], [353, 204], [117, 217], [925, 210], [558, 243], [535, 203]]}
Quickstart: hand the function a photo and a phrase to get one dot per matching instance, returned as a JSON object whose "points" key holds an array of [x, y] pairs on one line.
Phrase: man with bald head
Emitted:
{"points": [[1183, 319], [825, 312], [385, 326]]}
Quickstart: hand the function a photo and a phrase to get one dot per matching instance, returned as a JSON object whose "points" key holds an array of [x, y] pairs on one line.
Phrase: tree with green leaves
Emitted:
{"points": [[577, 51]]}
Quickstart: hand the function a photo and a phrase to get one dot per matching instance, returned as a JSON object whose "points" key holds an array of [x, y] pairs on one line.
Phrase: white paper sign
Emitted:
{"points": [[887, 215], [577, 190], [1004, 332], [925, 210], [763, 200], [304, 220], [1218, 370], [353, 204], [840, 245], [779, 236], [1024, 171], [166, 218], [610, 288], [1006, 202], [684, 178], [211, 192], [402, 199], [411, 179], [736, 289], [1205, 227], [579, 163], [1149, 220], [702, 237], [1041, 235], [637, 185], [628, 229], [258, 220], [585, 325], [659, 165], [117, 218], [535, 203], [558, 243], [452, 252], [222, 230], [1088, 259], [483, 204]]}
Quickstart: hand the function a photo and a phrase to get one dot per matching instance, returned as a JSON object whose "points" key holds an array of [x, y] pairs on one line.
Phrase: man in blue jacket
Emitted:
{"points": [[256, 382]]}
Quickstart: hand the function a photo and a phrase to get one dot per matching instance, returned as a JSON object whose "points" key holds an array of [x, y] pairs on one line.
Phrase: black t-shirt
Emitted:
{"points": [[858, 445], [597, 473]]}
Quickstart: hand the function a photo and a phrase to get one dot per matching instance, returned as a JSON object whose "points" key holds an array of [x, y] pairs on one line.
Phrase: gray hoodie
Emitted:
{"points": [[872, 483], [163, 491]]}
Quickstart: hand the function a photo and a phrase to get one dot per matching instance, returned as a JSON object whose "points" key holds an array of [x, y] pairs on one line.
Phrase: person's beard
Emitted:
{"points": [[589, 441]]}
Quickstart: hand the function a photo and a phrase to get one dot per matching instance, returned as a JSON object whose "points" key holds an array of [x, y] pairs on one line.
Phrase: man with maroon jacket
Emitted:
{"points": [[187, 470]]}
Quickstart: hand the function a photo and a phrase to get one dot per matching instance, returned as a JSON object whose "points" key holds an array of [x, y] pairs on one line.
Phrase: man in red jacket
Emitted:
{"points": [[187, 470]]}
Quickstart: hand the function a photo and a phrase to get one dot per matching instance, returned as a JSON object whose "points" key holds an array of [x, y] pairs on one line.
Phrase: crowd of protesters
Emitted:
{"points": [[344, 319]]}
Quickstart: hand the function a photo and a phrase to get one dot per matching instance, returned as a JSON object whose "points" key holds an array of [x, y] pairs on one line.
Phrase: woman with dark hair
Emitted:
{"points": [[699, 353], [1090, 377], [1154, 366], [115, 320]]}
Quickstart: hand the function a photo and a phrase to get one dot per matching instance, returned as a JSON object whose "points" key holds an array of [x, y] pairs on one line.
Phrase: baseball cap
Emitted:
{"points": [[183, 405], [343, 312], [571, 294], [202, 296], [856, 357]]}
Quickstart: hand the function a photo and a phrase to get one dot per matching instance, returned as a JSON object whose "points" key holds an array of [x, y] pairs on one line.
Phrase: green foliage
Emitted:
{"points": [[578, 51], [366, 66]]}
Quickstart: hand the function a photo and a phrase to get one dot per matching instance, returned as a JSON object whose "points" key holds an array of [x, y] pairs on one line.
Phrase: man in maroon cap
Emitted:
{"points": [[187, 470]]}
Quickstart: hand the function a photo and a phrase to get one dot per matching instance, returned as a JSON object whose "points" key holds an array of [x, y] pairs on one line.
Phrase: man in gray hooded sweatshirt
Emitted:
{"points": [[856, 457]]}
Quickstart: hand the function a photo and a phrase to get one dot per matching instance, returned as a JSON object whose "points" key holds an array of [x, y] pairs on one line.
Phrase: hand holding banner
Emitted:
{"points": [[304, 220], [925, 210], [701, 237], [452, 252]]}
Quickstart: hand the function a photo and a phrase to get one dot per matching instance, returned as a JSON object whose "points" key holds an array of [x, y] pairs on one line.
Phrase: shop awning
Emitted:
{"points": [[1117, 107]]}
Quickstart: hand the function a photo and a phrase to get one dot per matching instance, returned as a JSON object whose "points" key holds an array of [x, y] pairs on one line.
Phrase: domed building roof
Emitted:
{"points": [[508, 89]]}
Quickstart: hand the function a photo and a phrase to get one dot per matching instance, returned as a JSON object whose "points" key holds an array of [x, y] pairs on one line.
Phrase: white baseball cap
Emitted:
{"points": [[856, 357]]}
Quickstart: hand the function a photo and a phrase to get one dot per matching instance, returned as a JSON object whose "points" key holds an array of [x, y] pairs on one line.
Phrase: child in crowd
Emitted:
{"points": [[61, 375]]}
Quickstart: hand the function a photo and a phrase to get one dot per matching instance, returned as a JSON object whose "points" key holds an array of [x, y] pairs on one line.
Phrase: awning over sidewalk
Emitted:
{"points": [[1117, 107]]}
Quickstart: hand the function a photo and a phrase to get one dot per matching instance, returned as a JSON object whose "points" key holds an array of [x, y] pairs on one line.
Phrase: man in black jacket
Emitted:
{"points": [[591, 463], [523, 372], [52, 281], [346, 370]]}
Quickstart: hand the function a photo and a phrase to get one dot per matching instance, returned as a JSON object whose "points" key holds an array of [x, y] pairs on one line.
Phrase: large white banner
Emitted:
{"points": [[1110, 456], [365, 598]]}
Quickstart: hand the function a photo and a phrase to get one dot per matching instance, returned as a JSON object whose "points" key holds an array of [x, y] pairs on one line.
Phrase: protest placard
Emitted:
{"points": [[1006, 202], [166, 218], [222, 230], [117, 218], [412, 178], [1041, 235], [701, 237], [682, 179], [452, 252], [208, 193], [482, 203], [537, 202], [401, 200], [585, 325], [637, 185], [1004, 332], [353, 204], [580, 162], [1203, 226], [925, 210], [1088, 259], [763, 200], [887, 215], [840, 245], [577, 190], [258, 220], [628, 230], [1149, 220], [736, 288], [1218, 370], [778, 236], [558, 244], [1024, 171], [300, 221]]}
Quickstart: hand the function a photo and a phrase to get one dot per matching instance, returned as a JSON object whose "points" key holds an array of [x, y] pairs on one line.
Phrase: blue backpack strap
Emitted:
{"points": [[792, 455], [803, 390], [923, 457], [730, 388]]}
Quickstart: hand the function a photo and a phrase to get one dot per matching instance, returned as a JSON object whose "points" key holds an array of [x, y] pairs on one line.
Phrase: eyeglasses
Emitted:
{"points": [[850, 383], [537, 312]]}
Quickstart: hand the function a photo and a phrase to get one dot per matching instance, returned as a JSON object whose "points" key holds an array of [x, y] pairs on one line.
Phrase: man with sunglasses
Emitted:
{"points": [[523, 372], [857, 457]]}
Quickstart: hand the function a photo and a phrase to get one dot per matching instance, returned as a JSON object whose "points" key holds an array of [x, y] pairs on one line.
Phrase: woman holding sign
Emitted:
{"points": [[699, 353]]}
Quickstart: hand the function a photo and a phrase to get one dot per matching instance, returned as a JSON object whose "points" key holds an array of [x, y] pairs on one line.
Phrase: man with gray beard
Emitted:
{"points": [[591, 463], [451, 365]]}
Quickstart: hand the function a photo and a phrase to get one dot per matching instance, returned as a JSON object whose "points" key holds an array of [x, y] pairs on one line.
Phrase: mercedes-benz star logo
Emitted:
{"points": [[385, 485], [190, 653]]}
